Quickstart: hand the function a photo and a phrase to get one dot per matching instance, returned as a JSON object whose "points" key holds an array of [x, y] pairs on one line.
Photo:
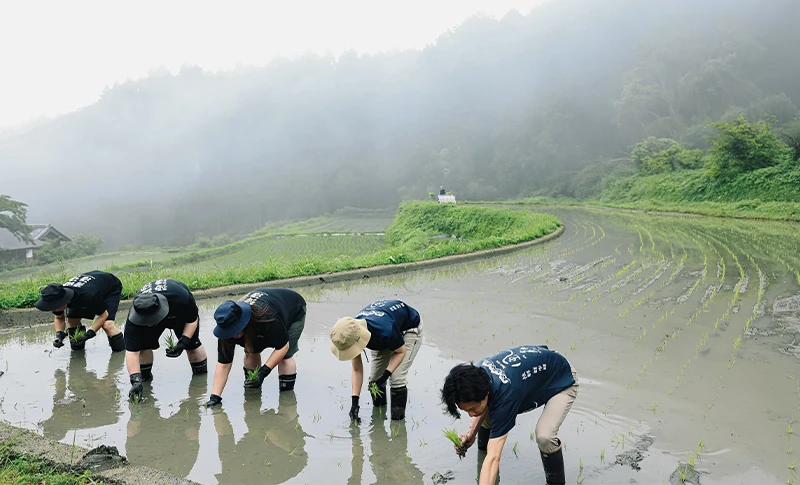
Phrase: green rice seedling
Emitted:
{"points": [[375, 391], [408, 459], [789, 430], [74, 436], [603, 455], [581, 478], [682, 473], [791, 466], [169, 340], [395, 430], [79, 332], [580, 466], [514, 449], [690, 458], [452, 435], [252, 375]]}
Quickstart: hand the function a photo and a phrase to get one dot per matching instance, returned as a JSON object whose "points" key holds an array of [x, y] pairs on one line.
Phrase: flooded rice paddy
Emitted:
{"points": [[683, 332]]}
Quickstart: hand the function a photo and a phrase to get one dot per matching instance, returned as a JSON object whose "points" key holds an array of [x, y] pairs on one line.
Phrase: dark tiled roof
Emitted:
{"points": [[39, 233]]}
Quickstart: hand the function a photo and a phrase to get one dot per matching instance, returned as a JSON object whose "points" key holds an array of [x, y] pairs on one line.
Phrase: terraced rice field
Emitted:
{"points": [[347, 222], [293, 247], [101, 261]]}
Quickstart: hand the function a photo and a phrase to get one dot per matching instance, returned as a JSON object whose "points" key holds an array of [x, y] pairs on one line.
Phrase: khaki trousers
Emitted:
{"points": [[380, 359]]}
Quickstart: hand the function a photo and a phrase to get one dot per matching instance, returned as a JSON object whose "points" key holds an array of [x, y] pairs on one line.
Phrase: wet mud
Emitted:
{"points": [[682, 330]]}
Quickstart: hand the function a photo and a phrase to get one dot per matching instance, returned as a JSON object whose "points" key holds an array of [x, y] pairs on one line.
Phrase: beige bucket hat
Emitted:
{"points": [[349, 338]]}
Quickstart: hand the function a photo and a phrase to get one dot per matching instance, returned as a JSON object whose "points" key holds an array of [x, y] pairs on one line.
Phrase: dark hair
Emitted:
{"points": [[464, 383], [262, 313]]}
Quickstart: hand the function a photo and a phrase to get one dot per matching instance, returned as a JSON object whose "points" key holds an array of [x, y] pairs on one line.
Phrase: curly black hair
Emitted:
{"points": [[464, 383]]}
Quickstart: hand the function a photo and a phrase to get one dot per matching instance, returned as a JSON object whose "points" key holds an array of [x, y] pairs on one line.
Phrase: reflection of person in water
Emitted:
{"points": [[93, 401], [170, 444], [271, 451], [357, 464], [389, 458]]}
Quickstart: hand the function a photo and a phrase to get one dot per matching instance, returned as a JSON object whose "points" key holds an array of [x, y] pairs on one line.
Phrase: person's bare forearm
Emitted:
{"points": [[396, 359], [190, 328], [277, 356], [220, 378], [475, 425], [489, 470], [99, 322], [357, 376], [60, 323]]}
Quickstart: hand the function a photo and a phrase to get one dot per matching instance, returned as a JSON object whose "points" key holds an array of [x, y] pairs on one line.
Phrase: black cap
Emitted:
{"points": [[148, 309], [54, 296]]}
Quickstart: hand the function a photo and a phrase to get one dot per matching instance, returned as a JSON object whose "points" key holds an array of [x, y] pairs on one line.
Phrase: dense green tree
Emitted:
{"points": [[12, 218], [741, 146]]}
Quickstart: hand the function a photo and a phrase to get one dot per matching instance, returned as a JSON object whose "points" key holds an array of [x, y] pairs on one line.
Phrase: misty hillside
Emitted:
{"points": [[496, 108]]}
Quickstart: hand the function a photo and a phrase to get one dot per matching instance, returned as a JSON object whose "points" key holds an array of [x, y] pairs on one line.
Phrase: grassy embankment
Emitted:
{"points": [[771, 193], [408, 239], [22, 470]]}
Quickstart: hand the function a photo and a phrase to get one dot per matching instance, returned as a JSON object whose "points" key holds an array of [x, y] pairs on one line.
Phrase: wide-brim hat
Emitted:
{"points": [[54, 296], [148, 309], [231, 317], [349, 337]]}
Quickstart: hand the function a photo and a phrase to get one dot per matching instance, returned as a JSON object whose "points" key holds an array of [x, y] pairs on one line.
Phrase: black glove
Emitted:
{"points": [[263, 372], [213, 400], [135, 393], [381, 382], [183, 343], [58, 342], [90, 334], [354, 409]]}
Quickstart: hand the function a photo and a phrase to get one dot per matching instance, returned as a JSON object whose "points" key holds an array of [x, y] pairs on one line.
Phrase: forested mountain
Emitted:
{"points": [[547, 102]]}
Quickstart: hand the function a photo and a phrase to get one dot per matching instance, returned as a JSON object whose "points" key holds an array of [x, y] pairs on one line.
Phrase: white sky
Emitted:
{"points": [[57, 56]]}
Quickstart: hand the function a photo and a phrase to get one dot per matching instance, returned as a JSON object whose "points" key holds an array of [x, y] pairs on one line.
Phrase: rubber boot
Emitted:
{"points": [[483, 438], [553, 464], [199, 367], [71, 333], [379, 399], [117, 342], [399, 399], [286, 382], [147, 372]]}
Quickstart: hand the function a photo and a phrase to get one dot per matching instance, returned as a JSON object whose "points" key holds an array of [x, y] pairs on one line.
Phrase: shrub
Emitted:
{"points": [[740, 146]]}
